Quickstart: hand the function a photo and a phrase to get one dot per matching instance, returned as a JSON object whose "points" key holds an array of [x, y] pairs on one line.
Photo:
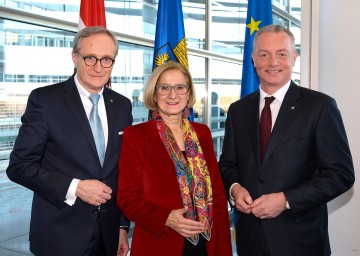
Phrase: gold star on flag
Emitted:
{"points": [[254, 25]]}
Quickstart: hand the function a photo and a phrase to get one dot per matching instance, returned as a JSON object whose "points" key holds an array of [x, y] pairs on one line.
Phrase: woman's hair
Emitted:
{"points": [[90, 31], [150, 90]]}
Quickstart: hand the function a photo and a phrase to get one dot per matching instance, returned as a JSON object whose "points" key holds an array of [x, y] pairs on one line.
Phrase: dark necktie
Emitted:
{"points": [[265, 126], [96, 127]]}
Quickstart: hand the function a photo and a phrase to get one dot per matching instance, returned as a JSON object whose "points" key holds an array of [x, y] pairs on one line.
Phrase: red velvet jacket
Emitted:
{"points": [[148, 191]]}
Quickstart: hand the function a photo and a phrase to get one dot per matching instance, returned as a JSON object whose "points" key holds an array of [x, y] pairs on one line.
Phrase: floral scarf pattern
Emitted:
{"points": [[192, 175]]}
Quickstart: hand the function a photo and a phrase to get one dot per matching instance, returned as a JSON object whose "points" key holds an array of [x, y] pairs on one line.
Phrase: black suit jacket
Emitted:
{"points": [[55, 145], [308, 158]]}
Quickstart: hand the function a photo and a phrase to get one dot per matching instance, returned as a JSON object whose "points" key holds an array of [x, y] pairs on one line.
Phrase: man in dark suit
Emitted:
{"points": [[281, 197], [56, 155]]}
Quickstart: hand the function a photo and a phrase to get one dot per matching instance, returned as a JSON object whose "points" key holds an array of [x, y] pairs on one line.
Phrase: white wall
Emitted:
{"points": [[339, 77]]}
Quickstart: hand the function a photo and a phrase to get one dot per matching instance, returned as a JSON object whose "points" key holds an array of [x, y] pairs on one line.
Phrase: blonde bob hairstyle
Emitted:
{"points": [[150, 90]]}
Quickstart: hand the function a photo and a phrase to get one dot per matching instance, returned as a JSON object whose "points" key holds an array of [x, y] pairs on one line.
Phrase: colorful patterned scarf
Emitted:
{"points": [[192, 174]]}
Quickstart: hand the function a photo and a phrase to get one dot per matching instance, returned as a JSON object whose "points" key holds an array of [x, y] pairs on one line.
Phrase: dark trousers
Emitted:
{"points": [[258, 241], [96, 246], [195, 250]]}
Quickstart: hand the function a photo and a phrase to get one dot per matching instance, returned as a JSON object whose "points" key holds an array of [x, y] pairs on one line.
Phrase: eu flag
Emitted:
{"points": [[259, 14], [170, 40]]}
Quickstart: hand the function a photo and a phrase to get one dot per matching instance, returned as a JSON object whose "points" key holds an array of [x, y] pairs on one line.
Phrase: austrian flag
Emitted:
{"points": [[92, 13]]}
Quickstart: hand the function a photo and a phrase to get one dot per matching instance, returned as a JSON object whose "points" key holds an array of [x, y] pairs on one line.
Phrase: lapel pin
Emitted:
{"points": [[292, 107], [111, 101]]}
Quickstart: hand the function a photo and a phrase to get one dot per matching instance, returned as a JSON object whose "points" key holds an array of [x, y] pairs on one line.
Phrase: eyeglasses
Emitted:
{"points": [[105, 62], [165, 89]]}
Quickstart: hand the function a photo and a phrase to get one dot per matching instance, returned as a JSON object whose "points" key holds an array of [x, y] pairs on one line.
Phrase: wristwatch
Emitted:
{"points": [[287, 206]]}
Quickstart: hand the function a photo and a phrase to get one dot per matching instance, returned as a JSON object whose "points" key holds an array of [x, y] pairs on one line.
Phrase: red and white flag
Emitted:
{"points": [[92, 13]]}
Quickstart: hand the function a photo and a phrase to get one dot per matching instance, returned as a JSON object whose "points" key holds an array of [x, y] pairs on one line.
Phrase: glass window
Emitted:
{"points": [[296, 30], [197, 69], [228, 27], [295, 9], [136, 18], [194, 23], [224, 90], [130, 74]]}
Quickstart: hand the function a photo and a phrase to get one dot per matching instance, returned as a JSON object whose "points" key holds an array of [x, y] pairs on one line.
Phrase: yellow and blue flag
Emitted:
{"points": [[259, 14], [170, 40]]}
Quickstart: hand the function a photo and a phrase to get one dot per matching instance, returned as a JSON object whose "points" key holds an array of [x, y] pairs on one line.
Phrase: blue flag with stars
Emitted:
{"points": [[170, 40], [259, 14]]}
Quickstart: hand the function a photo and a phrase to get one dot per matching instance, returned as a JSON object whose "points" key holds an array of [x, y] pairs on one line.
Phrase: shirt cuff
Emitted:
{"points": [[231, 199], [70, 195], [126, 228]]}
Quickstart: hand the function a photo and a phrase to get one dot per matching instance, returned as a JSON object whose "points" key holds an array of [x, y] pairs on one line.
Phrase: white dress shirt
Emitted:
{"points": [[84, 95]]}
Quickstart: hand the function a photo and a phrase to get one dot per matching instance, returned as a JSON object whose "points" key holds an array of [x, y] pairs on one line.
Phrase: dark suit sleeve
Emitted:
{"points": [[228, 162], [334, 172], [26, 157]]}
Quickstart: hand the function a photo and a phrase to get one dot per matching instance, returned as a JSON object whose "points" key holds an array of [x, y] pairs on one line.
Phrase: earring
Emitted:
{"points": [[186, 112]]}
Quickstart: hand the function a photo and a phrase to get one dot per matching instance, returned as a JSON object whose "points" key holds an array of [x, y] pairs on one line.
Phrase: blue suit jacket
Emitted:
{"points": [[55, 145], [308, 158]]}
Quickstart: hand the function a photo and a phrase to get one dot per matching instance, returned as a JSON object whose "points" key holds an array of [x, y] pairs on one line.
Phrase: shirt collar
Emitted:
{"points": [[82, 90], [279, 94]]}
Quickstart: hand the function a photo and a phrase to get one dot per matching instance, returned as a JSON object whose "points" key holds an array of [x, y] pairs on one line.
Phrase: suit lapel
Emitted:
{"points": [[288, 110], [111, 117], [252, 121], [72, 98], [161, 159]]}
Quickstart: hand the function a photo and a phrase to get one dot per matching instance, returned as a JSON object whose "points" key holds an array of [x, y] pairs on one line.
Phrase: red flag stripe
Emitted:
{"points": [[92, 13]]}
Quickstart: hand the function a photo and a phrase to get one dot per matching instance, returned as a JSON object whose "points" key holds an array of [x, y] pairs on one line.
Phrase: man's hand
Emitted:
{"points": [[183, 226], [269, 206], [123, 246], [93, 192], [242, 198]]}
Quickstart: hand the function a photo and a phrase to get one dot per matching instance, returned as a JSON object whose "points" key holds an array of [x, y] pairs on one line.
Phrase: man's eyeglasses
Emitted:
{"points": [[165, 89], [91, 61]]}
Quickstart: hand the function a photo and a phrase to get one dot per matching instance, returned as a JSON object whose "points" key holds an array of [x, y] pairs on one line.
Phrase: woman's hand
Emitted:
{"points": [[183, 226]]}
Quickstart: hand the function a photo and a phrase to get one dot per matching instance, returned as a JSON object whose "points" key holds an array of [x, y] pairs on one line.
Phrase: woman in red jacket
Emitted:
{"points": [[169, 181]]}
